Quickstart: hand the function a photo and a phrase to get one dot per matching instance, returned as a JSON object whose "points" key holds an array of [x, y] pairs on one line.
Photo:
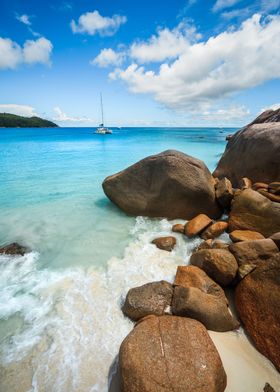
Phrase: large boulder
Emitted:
{"points": [[151, 298], [245, 235], [170, 353], [252, 211], [219, 264], [257, 301], [199, 297], [253, 152], [170, 184]]}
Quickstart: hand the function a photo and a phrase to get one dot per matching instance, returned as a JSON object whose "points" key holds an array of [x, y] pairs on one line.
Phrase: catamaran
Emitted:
{"points": [[102, 130]]}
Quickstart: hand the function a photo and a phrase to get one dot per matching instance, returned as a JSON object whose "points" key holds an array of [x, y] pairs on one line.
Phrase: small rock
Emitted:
{"points": [[178, 228], [259, 185], [273, 187], [224, 193], [170, 353], [197, 225], [205, 245], [165, 243], [211, 244], [268, 388], [245, 235], [215, 230], [276, 238], [151, 298], [219, 264], [246, 183], [14, 249]]}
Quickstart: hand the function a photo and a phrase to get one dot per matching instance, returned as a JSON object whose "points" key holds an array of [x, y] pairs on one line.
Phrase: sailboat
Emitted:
{"points": [[102, 130]]}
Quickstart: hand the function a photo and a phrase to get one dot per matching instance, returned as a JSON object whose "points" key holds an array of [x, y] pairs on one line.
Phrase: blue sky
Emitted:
{"points": [[157, 63]]}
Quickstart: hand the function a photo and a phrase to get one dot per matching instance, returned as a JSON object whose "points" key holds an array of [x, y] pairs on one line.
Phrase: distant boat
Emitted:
{"points": [[102, 130]]}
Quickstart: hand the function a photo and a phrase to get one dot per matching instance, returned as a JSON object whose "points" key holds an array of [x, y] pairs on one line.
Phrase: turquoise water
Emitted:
{"points": [[51, 196]]}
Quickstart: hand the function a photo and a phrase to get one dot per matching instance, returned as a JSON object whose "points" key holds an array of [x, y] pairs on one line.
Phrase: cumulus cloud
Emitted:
{"points": [[20, 110], [25, 19], [224, 115], [167, 44], [108, 57], [92, 23], [213, 69], [222, 4], [32, 52], [61, 116]]}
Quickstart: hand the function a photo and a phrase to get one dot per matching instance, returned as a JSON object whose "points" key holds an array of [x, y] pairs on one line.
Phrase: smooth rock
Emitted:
{"points": [[197, 225], [270, 196], [212, 244], [257, 301], [252, 211], [151, 298], [252, 152], [170, 353], [224, 192], [246, 183], [253, 251], [215, 230], [274, 187], [245, 235], [170, 184], [259, 185], [14, 249], [178, 228], [219, 264], [276, 238], [165, 243]]}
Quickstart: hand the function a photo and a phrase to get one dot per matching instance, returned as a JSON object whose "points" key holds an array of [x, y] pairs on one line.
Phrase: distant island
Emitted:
{"points": [[8, 120]]}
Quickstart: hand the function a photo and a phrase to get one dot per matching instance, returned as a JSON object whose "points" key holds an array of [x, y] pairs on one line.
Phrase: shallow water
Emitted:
{"points": [[60, 318]]}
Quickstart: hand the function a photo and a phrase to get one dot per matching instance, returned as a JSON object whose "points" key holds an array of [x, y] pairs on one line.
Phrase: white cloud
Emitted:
{"points": [[214, 69], [224, 115], [108, 57], [270, 5], [20, 110], [222, 4], [33, 51], [275, 106], [24, 19], [167, 44], [10, 54], [61, 116], [37, 51], [93, 23]]}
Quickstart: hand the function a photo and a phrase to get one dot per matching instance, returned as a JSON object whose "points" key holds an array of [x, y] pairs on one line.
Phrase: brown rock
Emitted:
{"points": [[270, 196], [253, 152], [211, 244], [170, 184], [252, 211], [178, 228], [268, 388], [14, 249], [151, 298], [170, 353], [276, 238], [165, 243], [224, 192], [253, 251], [245, 235], [215, 230], [197, 225], [246, 183], [219, 264], [199, 297], [257, 301], [273, 187], [205, 245], [259, 185]]}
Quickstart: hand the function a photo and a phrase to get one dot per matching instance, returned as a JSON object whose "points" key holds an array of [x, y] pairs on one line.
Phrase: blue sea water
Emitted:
{"points": [[61, 323]]}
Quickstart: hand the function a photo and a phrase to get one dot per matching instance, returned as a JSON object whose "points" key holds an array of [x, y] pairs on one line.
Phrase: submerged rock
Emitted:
{"points": [[257, 301], [14, 249], [170, 184], [199, 297], [252, 211], [219, 264], [170, 353], [254, 152], [151, 298], [165, 243]]}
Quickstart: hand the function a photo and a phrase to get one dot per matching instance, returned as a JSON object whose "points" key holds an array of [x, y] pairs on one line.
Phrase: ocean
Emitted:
{"points": [[60, 318]]}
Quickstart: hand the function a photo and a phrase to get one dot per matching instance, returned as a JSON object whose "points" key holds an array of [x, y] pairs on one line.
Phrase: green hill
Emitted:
{"points": [[8, 120]]}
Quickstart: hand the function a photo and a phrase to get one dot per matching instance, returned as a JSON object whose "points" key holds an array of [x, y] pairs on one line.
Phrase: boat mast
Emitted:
{"points": [[101, 109]]}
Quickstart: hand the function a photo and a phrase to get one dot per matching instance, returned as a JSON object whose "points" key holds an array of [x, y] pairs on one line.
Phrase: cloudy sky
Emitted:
{"points": [[157, 63]]}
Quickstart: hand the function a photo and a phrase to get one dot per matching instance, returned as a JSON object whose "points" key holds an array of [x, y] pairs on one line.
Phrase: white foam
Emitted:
{"points": [[73, 324]]}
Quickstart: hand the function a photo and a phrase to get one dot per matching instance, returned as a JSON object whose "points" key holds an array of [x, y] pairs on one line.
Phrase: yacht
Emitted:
{"points": [[102, 130]]}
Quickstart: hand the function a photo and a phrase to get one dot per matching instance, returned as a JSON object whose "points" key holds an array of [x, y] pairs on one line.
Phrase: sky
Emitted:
{"points": [[157, 63]]}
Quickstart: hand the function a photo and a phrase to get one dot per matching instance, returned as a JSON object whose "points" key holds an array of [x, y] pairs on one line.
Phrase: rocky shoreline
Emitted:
{"points": [[169, 348]]}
